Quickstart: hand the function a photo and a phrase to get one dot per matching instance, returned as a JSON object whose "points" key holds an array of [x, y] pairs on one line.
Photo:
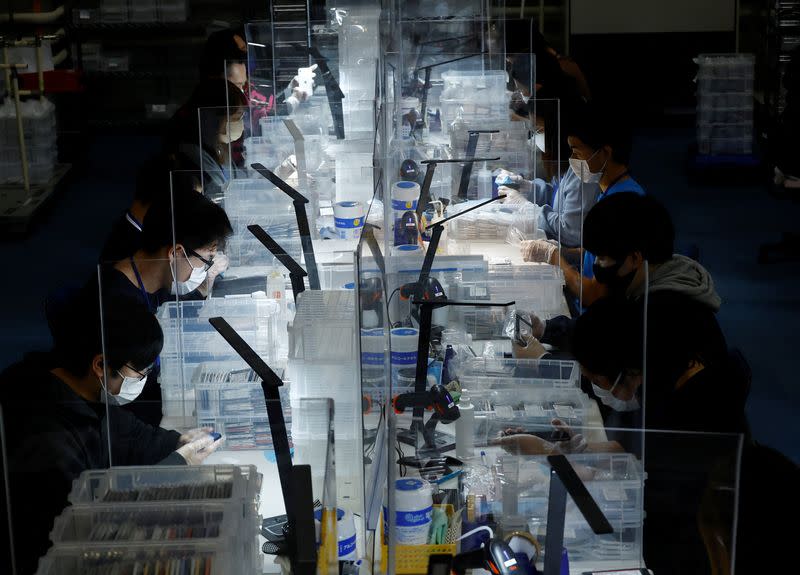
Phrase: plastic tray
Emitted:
{"points": [[495, 373], [413, 559]]}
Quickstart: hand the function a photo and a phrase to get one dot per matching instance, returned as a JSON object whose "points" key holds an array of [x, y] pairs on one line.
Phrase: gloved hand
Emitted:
{"points": [[576, 442], [197, 449], [504, 177], [194, 434], [539, 251], [532, 350], [303, 83], [221, 263], [524, 444], [513, 197], [537, 325]]}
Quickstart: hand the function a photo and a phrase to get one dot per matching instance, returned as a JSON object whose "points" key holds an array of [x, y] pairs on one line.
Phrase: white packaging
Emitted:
{"points": [[413, 511], [345, 533], [404, 347], [465, 427], [349, 218], [484, 183], [372, 347]]}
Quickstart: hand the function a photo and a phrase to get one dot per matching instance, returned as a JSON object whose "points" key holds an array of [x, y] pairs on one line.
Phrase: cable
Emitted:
{"points": [[388, 307], [474, 531]]}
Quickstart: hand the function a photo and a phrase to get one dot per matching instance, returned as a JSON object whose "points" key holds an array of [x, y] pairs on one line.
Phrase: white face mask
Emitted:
{"points": [[195, 280], [131, 389], [581, 169], [608, 398], [234, 132]]}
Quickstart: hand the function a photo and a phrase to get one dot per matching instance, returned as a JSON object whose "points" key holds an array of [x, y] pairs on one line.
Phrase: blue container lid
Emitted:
{"points": [[339, 514], [351, 285], [409, 484], [408, 248], [405, 331], [405, 184], [347, 204]]}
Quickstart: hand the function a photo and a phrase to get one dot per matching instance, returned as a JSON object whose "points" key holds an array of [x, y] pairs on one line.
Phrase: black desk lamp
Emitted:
{"points": [[296, 273], [299, 201], [300, 538], [466, 172]]}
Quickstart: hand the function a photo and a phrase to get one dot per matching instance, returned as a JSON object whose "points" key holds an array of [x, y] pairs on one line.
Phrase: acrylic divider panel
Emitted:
{"points": [[212, 147]]}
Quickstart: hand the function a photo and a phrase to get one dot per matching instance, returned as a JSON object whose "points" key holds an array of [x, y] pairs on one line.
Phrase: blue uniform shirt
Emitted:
{"points": [[627, 185]]}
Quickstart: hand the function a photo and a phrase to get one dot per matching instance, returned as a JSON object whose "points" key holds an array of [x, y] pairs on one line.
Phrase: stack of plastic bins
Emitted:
{"points": [[492, 222], [323, 362], [473, 96], [230, 400], [189, 341], [173, 10], [483, 373], [114, 11], [39, 128], [616, 482], [257, 201], [527, 407], [183, 519], [535, 287], [270, 149], [725, 104], [510, 144]]}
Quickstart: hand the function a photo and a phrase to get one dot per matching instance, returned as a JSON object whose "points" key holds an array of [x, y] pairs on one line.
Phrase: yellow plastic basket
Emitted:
{"points": [[413, 559]]}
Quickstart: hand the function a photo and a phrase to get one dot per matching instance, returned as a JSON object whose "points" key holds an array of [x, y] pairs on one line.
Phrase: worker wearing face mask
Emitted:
{"points": [[61, 416], [563, 202], [179, 259], [600, 148]]}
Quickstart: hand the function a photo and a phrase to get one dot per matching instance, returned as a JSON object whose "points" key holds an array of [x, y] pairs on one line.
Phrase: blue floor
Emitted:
{"points": [[760, 309]]}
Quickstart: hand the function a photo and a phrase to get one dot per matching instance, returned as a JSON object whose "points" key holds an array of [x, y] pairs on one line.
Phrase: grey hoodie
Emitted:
{"points": [[685, 276]]}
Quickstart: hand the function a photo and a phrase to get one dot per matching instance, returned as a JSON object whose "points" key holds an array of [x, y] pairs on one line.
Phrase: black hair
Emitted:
{"points": [[608, 337], [198, 222], [130, 333], [598, 125], [626, 222], [221, 47]]}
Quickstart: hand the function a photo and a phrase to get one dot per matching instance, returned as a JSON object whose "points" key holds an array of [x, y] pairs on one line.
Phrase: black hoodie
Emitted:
{"points": [[52, 435]]}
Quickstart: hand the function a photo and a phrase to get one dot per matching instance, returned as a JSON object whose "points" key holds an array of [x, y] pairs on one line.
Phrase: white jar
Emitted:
{"points": [[345, 533], [413, 511]]}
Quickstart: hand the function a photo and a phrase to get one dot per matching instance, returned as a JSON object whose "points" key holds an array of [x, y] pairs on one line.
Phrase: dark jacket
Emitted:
{"points": [[52, 435], [124, 239]]}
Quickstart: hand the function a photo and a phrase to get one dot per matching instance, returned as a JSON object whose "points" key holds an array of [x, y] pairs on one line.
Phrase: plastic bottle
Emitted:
{"points": [[449, 354], [465, 427], [276, 288], [484, 183]]}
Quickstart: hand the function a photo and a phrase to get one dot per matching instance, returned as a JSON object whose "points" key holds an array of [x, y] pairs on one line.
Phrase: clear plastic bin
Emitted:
{"points": [[616, 483], [146, 557], [482, 373], [132, 485], [248, 251]]}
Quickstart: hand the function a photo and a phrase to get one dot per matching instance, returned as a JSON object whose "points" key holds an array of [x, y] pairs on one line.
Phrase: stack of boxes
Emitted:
{"points": [[725, 104]]}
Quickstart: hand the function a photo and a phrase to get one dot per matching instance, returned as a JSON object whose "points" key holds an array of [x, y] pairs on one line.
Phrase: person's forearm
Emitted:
{"points": [[589, 290]]}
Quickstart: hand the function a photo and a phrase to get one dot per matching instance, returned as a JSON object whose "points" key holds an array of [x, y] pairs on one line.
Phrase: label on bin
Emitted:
{"points": [[347, 546], [404, 358], [404, 205]]}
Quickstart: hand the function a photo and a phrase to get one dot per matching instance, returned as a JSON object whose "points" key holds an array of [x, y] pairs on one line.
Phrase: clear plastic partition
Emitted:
{"points": [[583, 499], [219, 146]]}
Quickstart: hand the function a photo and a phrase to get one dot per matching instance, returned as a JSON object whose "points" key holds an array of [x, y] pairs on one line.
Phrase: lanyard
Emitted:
{"points": [[614, 182], [145, 295]]}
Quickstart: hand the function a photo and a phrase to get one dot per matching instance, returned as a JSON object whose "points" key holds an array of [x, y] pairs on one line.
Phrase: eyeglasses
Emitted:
{"points": [[142, 374], [206, 262]]}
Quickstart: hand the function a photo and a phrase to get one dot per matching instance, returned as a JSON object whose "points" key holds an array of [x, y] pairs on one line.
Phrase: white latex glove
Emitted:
{"points": [[575, 444], [221, 263], [504, 177], [196, 450], [524, 444], [193, 434], [512, 196], [539, 251], [532, 350], [303, 83], [538, 325]]}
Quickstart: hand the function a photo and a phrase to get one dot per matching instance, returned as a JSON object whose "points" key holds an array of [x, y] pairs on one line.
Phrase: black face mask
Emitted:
{"points": [[608, 276]]}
